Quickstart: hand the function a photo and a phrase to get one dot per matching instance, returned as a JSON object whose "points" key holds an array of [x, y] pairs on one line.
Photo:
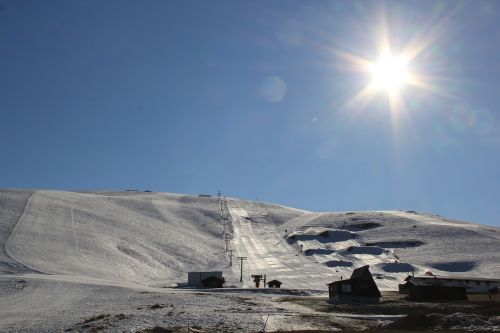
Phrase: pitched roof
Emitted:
{"points": [[360, 272], [346, 281], [467, 278], [424, 282]]}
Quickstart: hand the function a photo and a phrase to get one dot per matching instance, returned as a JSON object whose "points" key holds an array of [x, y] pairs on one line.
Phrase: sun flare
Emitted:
{"points": [[396, 70], [390, 72]]}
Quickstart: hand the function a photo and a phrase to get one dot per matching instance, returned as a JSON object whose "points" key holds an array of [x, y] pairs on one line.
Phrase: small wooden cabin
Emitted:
{"points": [[360, 288], [434, 289], [274, 284]]}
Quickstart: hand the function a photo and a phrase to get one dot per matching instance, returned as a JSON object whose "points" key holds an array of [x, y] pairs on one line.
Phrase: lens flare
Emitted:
{"points": [[390, 72]]}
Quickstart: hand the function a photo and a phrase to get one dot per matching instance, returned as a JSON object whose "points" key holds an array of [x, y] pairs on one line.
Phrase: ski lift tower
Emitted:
{"points": [[257, 279]]}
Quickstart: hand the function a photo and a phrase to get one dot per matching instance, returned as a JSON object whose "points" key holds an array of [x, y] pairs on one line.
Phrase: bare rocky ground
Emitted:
{"points": [[54, 306], [77, 307], [394, 314]]}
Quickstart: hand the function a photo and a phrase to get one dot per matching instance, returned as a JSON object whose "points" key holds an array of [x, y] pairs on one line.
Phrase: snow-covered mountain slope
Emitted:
{"points": [[137, 238], [393, 243], [133, 237]]}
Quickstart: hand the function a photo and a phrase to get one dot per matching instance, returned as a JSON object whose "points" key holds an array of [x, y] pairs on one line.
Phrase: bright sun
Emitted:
{"points": [[389, 73]]}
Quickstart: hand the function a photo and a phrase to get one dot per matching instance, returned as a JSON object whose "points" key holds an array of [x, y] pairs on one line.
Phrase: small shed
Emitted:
{"points": [[274, 284], [195, 278], [360, 288], [213, 282], [434, 289]]}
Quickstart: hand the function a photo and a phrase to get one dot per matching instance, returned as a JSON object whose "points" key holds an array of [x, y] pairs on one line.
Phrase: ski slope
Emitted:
{"points": [[312, 249], [67, 257], [154, 239], [139, 238]]}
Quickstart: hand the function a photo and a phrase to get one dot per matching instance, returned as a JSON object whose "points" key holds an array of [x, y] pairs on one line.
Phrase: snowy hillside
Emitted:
{"points": [[156, 238], [67, 258], [393, 243]]}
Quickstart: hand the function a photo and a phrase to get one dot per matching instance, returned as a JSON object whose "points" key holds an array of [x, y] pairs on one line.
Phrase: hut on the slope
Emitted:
{"points": [[434, 289], [274, 284], [360, 288]]}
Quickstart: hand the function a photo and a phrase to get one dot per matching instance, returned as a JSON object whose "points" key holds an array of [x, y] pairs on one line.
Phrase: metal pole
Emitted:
{"points": [[241, 267], [230, 257]]}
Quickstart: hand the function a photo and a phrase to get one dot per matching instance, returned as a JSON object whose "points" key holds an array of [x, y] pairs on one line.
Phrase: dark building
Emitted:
{"points": [[195, 278], [360, 288], [274, 284], [213, 282], [433, 289], [476, 285]]}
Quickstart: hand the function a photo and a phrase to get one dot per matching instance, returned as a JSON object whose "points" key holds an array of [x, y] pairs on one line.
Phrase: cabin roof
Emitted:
{"points": [[346, 281], [435, 282], [359, 272], [455, 278]]}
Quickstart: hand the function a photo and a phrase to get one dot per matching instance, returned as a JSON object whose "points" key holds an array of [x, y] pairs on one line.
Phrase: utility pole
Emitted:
{"points": [[227, 239], [241, 267], [230, 257]]}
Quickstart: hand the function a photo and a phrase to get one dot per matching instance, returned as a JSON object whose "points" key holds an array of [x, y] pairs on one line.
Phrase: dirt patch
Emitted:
{"points": [[338, 263], [363, 226], [373, 250], [159, 329], [397, 244], [311, 252], [326, 236], [160, 306], [478, 314], [455, 266], [396, 267], [95, 318]]}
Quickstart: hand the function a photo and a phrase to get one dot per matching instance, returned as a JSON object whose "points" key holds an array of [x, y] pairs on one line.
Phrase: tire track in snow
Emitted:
{"points": [[23, 265], [75, 237]]}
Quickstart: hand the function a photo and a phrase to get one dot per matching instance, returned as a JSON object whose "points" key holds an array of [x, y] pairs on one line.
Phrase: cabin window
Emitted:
{"points": [[477, 283], [346, 288], [487, 283]]}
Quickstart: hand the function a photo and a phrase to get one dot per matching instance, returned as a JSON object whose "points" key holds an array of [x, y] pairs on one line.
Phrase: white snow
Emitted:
{"points": [[58, 246]]}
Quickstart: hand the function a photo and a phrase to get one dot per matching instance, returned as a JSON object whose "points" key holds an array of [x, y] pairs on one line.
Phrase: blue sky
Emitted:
{"points": [[252, 98]]}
